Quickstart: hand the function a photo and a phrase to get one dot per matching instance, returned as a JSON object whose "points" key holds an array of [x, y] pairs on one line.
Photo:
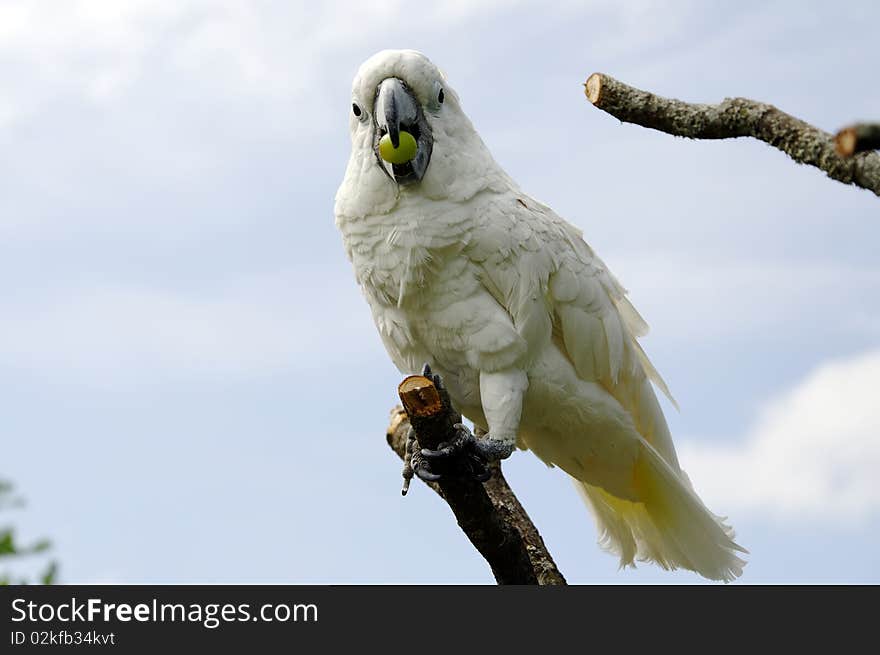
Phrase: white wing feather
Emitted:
{"points": [[538, 267]]}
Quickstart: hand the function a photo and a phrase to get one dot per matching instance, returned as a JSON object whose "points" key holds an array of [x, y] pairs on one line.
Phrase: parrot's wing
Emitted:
{"points": [[541, 270], [583, 286]]}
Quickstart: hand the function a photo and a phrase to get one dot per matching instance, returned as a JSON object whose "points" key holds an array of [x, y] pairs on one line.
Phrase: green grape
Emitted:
{"points": [[400, 155]]}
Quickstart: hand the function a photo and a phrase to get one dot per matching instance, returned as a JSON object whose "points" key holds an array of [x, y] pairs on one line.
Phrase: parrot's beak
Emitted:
{"points": [[401, 124]]}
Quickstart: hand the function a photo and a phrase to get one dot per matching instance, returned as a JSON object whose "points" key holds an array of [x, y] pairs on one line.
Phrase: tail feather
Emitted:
{"points": [[672, 527]]}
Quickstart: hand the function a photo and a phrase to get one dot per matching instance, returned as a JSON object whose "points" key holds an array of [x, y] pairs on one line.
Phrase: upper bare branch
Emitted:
{"points": [[734, 117]]}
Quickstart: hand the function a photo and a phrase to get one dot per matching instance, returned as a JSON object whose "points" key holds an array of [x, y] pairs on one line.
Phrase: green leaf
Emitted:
{"points": [[7, 546]]}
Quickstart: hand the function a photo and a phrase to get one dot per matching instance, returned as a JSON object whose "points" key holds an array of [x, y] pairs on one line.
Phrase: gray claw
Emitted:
{"points": [[443, 452], [426, 475], [418, 465], [463, 441]]}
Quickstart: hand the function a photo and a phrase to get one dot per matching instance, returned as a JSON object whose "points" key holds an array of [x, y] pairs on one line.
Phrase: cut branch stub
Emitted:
{"points": [[429, 410], [420, 397], [858, 138], [593, 88]]}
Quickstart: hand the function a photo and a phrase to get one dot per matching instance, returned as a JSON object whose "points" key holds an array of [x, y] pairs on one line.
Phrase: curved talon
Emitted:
{"points": [[442, 453], [463, 441], [426, 475], [422, 468]]}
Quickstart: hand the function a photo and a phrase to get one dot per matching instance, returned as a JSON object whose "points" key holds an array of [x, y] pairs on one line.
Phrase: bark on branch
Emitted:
{"points": [[735, 117], [490, 515]]}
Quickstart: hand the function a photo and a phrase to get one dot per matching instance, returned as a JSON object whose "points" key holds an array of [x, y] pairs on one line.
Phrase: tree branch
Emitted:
{"points": [[490, 515], [734, 117]]}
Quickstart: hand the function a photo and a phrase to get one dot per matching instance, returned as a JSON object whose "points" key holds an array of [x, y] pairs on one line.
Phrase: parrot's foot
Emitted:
{"points": [[463, 456], [486, 448], [463, 465], [415, 464]]}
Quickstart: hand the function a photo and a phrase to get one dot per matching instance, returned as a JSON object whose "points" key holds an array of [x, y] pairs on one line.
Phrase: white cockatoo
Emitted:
{"points": [[533, 337]]}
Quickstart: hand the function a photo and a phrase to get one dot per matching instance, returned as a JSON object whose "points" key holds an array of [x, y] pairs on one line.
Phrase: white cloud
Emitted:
{"points": [[813, 453]]}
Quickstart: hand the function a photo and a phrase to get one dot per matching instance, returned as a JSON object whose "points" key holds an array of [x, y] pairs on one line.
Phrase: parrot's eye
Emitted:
{"points": [[437, 97], [356, 110]]}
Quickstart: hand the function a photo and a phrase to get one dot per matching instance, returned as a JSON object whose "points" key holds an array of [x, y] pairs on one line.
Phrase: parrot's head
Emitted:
{"points": [[393, 96], [408, 131]]}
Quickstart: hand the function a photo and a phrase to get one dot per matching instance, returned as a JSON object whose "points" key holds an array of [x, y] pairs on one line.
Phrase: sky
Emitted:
{"points": [[177, 311]]}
